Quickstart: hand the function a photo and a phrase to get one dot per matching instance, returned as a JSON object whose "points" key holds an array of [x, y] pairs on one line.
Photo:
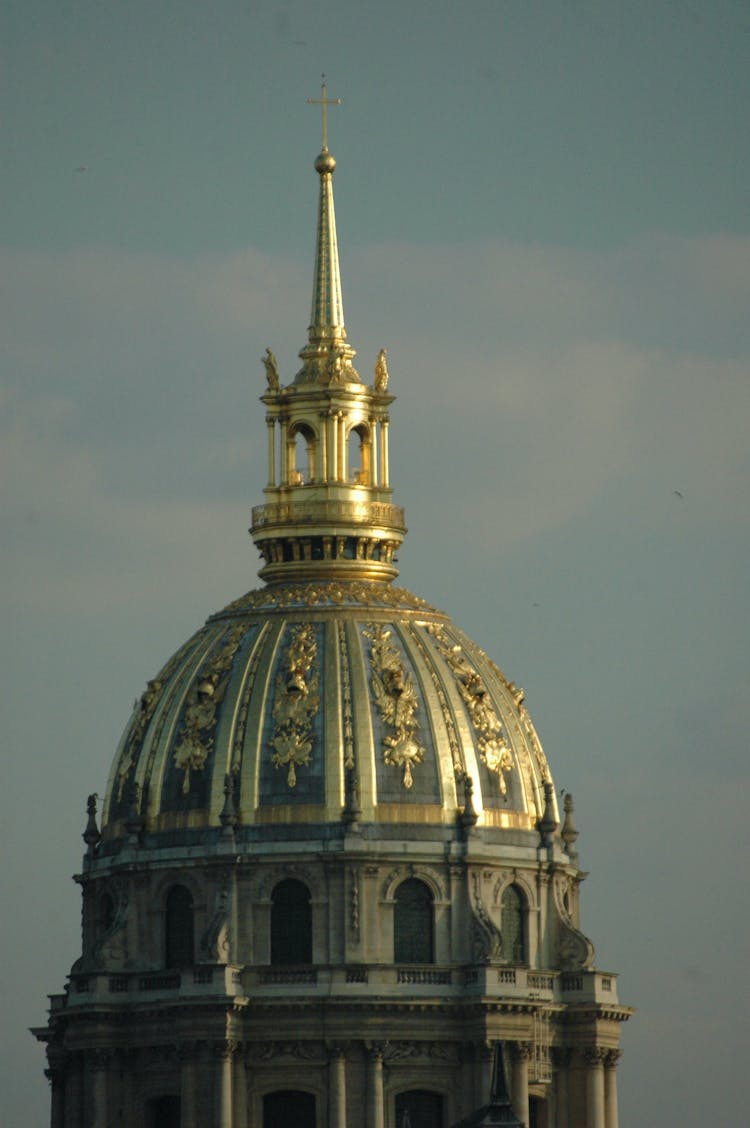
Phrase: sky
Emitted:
{"points": [[544, 214]]}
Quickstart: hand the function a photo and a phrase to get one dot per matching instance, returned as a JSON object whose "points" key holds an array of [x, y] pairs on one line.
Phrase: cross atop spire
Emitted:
{"points": [[324, 103]]}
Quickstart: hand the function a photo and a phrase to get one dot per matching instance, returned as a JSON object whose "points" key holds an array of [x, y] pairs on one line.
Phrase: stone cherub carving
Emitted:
{"points": [[381, 372], [272, 370]]}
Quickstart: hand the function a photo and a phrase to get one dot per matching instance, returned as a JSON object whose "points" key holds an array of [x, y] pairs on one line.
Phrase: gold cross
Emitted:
{"points": [[324, 103]]}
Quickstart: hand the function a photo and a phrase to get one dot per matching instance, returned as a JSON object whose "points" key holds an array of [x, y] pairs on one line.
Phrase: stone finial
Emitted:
{"points": [[468, 817], [547, 824], [228, 816], [134, 819], [352, 812], [91, 835], [569, 832]]}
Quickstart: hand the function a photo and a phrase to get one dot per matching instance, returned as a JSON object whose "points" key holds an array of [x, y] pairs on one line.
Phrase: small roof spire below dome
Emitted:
{"points": [[328, 511]]}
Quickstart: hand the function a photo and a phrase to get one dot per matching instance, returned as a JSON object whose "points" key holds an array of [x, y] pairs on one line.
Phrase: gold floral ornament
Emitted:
{"points": [[295, 704], [205, 696], [491, 742], [396, 699]]}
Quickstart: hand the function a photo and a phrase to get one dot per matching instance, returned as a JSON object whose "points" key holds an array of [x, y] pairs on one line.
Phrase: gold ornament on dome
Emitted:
{"points": [[353, 592], [146, 707], [396, 699], [205, 696], [295, 704], [491, 742]]}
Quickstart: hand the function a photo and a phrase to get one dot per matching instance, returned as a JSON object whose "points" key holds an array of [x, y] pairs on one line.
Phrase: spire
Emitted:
{"points": [[328, 512], [327, 317], [327, 357]]}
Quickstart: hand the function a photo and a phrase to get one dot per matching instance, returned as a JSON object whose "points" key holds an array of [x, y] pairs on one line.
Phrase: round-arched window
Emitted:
{"points": [[511, 925], [413, 923]]}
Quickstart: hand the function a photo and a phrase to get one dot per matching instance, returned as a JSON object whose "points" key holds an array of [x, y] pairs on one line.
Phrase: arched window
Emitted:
{"points": [[412, 923], [302, 452], [359, 457], [163, 1112], [511, 925], [419, 1108], [291, 923], [289, 1108], [178, 932]]}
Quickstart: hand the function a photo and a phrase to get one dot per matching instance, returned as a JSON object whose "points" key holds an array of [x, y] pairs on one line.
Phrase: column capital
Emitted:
{"points": [[98, 1059], [594, 1055], [611, 1058], [522, 1051]]}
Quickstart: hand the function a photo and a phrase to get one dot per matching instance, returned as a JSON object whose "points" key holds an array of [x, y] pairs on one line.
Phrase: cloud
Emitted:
{"points": [[131, 414]]}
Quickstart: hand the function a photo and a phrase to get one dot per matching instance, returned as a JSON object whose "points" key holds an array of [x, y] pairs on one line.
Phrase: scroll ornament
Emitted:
{"points": [[491, 742], [396, 698], [574, 950], [205, 696], [295, 704]]}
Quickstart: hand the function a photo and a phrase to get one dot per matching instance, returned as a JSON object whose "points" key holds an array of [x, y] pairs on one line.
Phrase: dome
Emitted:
{"points": [[330, 881], [323, 702]]}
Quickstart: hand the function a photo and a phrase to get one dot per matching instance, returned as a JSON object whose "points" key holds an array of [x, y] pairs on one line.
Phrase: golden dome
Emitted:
{"points": [[351, 703]]}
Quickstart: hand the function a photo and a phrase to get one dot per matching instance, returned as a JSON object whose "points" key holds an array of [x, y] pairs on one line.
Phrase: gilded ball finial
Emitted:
{"points": [[325, 162]]}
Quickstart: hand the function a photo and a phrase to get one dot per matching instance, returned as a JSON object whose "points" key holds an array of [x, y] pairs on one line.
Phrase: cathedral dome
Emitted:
{"points": [[330, 696], [316, 702]]}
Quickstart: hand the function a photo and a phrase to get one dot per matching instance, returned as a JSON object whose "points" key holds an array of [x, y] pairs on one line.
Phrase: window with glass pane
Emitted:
{"points": [[412, 923], [511, 925]]}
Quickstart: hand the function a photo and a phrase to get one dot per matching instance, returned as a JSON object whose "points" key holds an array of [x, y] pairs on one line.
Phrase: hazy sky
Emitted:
{"points": [[543, 213]]}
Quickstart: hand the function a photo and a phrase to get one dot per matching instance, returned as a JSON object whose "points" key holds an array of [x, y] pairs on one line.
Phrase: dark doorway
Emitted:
{"points": [[163, 1112], [289, 1108], [419, 1108]]}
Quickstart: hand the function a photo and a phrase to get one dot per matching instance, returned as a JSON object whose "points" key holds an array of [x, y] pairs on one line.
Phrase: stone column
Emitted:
{"points": [[483, 1083], [561, 1059], [332, 447], [374, 450], [593, 1057], [375, 1101], [96, 1069], [520, 1082], [384, 470], [74, 1092], [323, 475], [271, 425], [341, 444], [188, 1058], [337, 1087], [56, 1077], [222, 1056], [610, 1088], [239, 1084]]}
